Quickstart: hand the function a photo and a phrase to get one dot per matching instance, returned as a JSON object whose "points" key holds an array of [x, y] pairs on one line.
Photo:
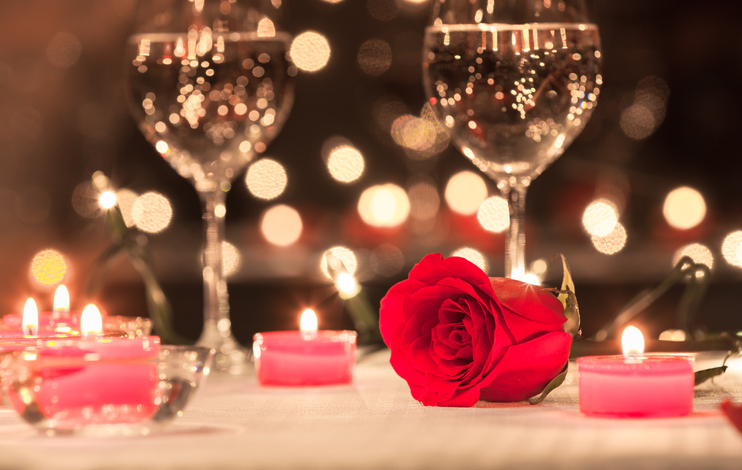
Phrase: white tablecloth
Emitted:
{"points": [[235, 424]]}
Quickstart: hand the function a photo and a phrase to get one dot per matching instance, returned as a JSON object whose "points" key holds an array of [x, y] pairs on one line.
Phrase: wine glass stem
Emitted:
{"points": [[515, 259], [216, 299], [217, 333]]}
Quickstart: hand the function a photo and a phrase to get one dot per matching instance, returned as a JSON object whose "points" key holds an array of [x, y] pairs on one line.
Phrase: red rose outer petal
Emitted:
{"points": [[527, 300], [433, 267], [527, 368], [522, 329]]}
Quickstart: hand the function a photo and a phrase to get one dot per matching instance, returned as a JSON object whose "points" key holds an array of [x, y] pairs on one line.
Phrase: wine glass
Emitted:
{"points": [[514, 82], [210, 86]]}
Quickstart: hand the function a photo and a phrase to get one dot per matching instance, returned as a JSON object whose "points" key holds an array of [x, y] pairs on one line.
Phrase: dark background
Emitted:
{"points": [[59, 124]]}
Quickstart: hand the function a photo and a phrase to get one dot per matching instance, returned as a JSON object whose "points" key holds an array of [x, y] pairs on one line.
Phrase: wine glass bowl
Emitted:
{"points": [[514, 83], [211, 98], [210, 86]]}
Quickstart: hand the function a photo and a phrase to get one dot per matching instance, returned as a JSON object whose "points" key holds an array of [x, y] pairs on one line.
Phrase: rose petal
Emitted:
{"points": [[392, 309], [461, 398], [434, 267], [527, 368], [529, 301], [522, 329]]}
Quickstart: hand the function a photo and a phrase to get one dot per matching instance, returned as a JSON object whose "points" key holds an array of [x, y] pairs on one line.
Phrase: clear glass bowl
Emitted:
{"points": [[92, 396], [134, 327]]}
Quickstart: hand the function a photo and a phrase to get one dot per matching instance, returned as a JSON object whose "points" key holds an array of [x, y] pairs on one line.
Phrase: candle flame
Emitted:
{"points": [[30, 318], [91, 322], [61, 298], [308, 322], [632, 342]]}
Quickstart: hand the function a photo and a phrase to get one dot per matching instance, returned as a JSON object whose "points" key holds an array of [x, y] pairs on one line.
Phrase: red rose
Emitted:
{"points": [[457, 336]]}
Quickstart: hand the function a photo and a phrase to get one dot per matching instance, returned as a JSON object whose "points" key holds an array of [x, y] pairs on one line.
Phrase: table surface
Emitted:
{"points": [[375, 423]]}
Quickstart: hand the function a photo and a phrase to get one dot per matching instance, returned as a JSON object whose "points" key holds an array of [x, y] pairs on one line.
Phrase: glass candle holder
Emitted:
{"points": [[59, 392], [134, 327]]}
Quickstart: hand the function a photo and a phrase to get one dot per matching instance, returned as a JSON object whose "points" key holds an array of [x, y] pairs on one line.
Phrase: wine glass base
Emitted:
{"points": [[230, 356]]}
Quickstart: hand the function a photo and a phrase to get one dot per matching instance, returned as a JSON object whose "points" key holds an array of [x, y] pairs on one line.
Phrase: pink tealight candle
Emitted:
{"points": [[636, 385], [94, 379], [28, 334], [306, 357]]}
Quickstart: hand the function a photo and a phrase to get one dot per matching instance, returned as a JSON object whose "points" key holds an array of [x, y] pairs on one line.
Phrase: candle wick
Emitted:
{"points": [[634, 355], [306, 335]]}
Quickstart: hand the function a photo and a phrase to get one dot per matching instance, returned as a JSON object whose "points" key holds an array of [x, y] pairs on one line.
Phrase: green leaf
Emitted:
{"points": [[567, 283], [555, 382], [567, 297], [704, 375]]}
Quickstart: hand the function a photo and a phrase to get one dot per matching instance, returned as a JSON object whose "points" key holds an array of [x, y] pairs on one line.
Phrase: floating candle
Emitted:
{"points": [[60, 318], [61, 308], [95, 379], [30, 319], [305, 357], [636, 385]]}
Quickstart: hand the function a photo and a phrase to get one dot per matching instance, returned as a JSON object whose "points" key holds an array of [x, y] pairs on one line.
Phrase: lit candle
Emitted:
{"points": [[96, 379], [636, 385], [305, 357], [30, 319], [61, 303], [103, 346], [60, 318]]}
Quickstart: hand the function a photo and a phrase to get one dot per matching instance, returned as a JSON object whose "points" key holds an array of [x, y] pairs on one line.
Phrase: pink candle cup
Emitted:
{"points": [[294, 358], [126, 386], [642, 387], [94, 380]]}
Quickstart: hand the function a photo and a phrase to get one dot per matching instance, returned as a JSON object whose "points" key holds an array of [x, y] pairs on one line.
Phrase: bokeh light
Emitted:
{"points": [[231, 259], [637, 122], [126, 199], [48, 267], [684, 208], [375, 56], [310, 51], [642, 118], [281, 225], [107, 199], [494, 215], [611, 243], [424, 200], [386, 110], [385, 205], [387, 260], [266, 179], [64, 50], [85, 200], [539, 267], [345, 255], [465, 192], [600, 218], [672, 335], [413, 133], [473, 256], [345, 164], [731, 248], [531, 278], [152, 212], [700, 254]]}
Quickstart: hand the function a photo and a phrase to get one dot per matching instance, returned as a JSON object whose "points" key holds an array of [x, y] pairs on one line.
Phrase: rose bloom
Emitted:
{"points": [[457, 336]]}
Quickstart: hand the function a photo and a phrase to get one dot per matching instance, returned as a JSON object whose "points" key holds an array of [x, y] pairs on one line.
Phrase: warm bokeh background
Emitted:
{"points": [[666, 119]]}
